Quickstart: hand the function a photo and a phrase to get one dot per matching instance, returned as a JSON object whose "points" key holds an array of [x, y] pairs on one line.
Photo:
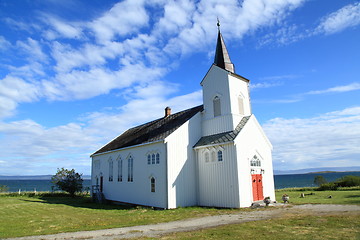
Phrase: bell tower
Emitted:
{"points": [[225, 94]]}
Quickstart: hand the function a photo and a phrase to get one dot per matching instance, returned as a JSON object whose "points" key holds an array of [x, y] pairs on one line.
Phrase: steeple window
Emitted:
{"points": [[217, 106], [241, 105]]}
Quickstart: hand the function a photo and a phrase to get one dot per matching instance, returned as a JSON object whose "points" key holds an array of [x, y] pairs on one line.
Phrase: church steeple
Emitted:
{"points": [[222, 58]]}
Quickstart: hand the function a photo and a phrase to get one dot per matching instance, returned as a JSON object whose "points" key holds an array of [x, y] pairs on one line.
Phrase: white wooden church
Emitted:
{"points": [[214, 155]]}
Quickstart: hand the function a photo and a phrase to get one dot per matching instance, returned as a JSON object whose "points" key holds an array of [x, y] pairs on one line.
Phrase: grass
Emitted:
{"points": [[294, 227], [47, 213], [341, 196]]}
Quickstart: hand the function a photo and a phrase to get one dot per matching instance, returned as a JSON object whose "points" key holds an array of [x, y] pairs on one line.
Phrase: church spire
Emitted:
{"points": [[222, 58]]}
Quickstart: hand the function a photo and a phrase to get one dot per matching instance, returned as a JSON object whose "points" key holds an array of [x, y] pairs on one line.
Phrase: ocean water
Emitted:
{"points": [[281, 181]]}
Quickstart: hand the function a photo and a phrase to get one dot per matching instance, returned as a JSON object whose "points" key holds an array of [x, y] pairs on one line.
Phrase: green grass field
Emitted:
{"points": [[26, 216], [37, 215]]}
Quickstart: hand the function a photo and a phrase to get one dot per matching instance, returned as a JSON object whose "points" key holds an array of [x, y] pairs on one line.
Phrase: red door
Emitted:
{"points": [[257, 187]]}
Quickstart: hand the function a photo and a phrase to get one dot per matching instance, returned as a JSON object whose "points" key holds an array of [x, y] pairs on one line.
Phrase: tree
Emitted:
{"points": [[68, 181], [3, 188], [319, 180], [348, 181]]}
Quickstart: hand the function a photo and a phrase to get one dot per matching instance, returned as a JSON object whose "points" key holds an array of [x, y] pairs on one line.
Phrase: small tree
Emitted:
{"points": [[68, 181], [319, 180], [3, 188], [348, 181]]}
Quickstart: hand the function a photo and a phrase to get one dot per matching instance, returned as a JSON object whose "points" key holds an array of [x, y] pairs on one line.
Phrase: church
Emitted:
{"points": [[214, 155]]}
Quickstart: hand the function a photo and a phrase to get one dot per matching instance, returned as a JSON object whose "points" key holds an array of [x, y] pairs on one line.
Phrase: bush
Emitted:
{"points": [[328, 186], [348, 181]]}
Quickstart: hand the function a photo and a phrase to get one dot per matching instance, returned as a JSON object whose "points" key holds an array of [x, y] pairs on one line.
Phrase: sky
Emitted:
{"points": [[74, 74]]}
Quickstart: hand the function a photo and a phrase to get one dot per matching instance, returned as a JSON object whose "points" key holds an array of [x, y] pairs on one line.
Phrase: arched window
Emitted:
{"points": [[111, 170], [220, 156], [206, 157], [120, 176], [152, 183], [213, 156], [241, 105], [149, 159], [157, 158], [153, 158], [255, 161], [130, 169], [217, 106]]}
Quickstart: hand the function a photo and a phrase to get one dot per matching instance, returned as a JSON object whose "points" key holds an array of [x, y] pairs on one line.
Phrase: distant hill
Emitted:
{"points": [[35, 177], [317, 170]]}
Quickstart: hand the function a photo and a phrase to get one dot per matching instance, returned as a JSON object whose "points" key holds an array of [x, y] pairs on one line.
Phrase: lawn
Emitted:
{"points": [[37, 215], [295, 227], [315, 197], [26, 216]]}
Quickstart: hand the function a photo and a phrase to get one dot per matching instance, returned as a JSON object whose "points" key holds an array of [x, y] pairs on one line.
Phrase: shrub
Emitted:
{"points": [[348, 181], [328, 186]]}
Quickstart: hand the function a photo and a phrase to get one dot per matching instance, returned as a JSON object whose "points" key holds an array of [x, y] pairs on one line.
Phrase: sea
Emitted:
{"points": [[281, 181]]}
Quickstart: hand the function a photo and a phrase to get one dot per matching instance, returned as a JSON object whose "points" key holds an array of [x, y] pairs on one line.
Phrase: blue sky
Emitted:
{"points": [[75, 74]]}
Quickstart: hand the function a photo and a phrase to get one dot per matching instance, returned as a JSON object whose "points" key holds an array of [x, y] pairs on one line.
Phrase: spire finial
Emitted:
{"points": [[218, 23]]}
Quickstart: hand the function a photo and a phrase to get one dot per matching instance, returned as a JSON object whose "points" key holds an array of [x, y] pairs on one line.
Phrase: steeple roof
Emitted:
{"points": [[222, 58]]}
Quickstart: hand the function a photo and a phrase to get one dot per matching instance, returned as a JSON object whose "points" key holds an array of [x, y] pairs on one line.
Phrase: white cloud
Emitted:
{"points": [[14, 90], [61, 28], [338, 89], [328, 140], [123, 18], [346, 17], [4, 44], [33, 50]]}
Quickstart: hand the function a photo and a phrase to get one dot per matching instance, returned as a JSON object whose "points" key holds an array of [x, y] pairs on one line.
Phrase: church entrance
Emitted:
{"points": [[257, 187]]}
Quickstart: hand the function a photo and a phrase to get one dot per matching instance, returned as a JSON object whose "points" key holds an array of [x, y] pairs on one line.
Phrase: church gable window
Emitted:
{"points": [[217, 106], [157, 158], [111, 170], [130, 169], [220, 155], [153, 158], [255, 161], [206, 157]]}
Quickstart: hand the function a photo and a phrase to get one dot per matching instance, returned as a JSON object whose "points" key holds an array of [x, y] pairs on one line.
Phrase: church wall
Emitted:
{"points": [[249, 142], [214, 84], [218, 185], [181, 163], [138, 191]]}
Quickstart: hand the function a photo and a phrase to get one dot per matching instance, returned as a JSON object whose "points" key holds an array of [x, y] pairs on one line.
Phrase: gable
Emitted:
{"points": [[150, 132]]}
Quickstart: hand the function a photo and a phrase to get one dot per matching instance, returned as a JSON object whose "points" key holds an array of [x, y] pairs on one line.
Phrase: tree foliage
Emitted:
{"points": [[68, 181], [319, 180], [348, 181], [3, 188]]}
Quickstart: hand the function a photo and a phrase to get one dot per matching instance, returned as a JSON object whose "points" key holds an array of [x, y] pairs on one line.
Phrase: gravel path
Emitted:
{"points": [[159, 229]]}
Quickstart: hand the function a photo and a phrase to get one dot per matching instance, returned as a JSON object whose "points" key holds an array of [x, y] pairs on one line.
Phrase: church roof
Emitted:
{"points": [[222, 58], [150, 132], [222, 137]]}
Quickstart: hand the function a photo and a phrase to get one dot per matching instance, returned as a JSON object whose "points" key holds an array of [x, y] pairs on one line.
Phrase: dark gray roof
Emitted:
{"points": [[222, 137], [152, 131], [222, 58]]}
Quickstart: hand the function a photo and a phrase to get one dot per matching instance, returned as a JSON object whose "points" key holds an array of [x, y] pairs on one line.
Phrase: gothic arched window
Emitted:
{"points": [[217, 106]]}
